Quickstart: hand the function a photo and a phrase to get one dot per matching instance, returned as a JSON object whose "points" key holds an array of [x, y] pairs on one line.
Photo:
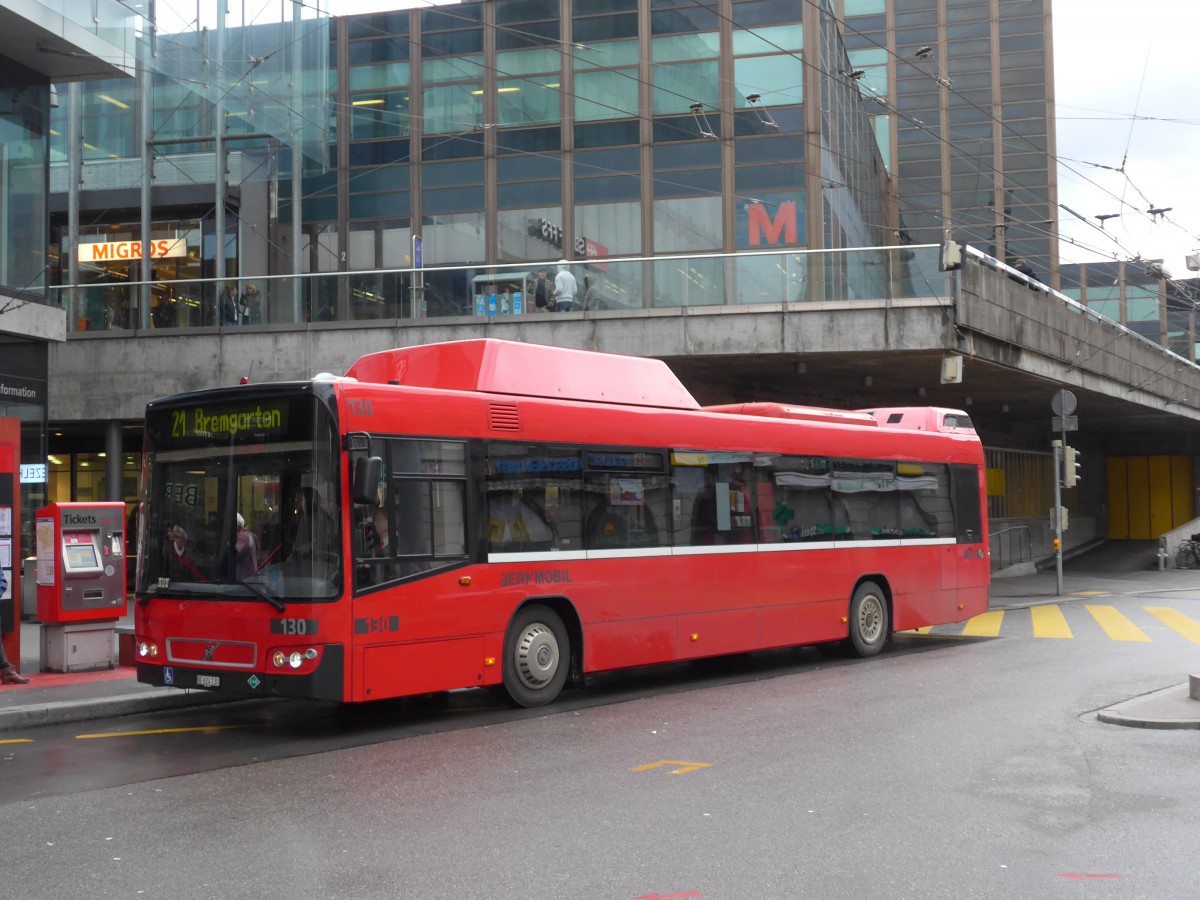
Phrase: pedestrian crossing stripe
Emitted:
{"points": [[1048, 621], [1176, 621], [1115, 624], [985, 624]]}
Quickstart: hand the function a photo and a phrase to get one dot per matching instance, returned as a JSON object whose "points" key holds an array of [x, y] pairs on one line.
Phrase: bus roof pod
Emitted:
{"points": [[924, 418], [789, 411], [511, 367]]}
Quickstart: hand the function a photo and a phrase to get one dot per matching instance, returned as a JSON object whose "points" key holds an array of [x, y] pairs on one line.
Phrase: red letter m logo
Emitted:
{"points": [[760, 224]]}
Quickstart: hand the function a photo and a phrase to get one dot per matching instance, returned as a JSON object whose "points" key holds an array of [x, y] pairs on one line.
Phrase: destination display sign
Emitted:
{"points": [[222, 422]]}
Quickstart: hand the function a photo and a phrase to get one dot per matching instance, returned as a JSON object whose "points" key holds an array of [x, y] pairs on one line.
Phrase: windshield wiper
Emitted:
{"points": [[168, 592], [270, 598]]}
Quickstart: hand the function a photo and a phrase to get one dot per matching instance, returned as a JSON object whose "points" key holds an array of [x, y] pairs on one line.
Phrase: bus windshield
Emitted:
{"points": [[242, 505]]}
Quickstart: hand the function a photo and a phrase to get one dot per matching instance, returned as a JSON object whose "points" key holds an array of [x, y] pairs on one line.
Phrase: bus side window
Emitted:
{"points": [[533, 498], [516, 523], [622, 514]]}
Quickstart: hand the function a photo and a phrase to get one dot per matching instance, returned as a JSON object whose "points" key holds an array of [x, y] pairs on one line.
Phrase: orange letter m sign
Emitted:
{"points": [[760, 224]]}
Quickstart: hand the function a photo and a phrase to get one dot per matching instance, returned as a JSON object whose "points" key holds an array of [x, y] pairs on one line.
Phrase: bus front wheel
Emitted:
{"points": [[869, 624], [537, 655]]}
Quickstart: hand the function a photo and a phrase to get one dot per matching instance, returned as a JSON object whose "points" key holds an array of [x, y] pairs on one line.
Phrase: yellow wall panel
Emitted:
{"points": [[1161, 520], [1139, 498], [1118, 498], [1182, 505]]}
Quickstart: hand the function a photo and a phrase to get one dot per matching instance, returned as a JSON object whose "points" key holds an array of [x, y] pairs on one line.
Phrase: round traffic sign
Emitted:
{"points": [[1063, 403]]}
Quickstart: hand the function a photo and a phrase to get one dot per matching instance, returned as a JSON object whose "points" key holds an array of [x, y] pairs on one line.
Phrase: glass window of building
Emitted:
{"points": [[23, 128]]}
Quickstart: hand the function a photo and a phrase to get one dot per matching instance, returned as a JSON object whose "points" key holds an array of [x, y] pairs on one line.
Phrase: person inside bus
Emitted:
{"points": [[8, 672], [179, 557], [306, 526], [240, 560], [379, 523]]}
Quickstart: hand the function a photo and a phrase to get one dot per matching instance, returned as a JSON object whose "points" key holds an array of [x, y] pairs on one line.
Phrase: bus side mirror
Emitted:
{"points": [[367, 473]]}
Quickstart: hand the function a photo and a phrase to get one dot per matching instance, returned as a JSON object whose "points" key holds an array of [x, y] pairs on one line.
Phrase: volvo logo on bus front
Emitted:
{"points": [[210, 651]]}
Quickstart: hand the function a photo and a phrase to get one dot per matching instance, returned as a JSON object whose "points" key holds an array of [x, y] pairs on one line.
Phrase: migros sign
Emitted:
{"points": [[123, 251]]}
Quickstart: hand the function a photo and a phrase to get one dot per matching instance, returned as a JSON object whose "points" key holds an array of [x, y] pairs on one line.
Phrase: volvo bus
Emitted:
{"points": [[505, 515]]}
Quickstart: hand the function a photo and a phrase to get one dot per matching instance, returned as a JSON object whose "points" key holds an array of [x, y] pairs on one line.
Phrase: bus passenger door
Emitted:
{"points": [[970, 566]]}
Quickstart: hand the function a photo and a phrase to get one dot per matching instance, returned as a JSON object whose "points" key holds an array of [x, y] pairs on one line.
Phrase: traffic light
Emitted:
{"points": [[1071, 466]]}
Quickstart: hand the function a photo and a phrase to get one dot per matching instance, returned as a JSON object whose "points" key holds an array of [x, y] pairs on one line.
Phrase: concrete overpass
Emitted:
{"points": [[1018, 344]]}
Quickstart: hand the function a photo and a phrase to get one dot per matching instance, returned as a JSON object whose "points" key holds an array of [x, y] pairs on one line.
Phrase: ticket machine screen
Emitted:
{"points": [[79, 553]]}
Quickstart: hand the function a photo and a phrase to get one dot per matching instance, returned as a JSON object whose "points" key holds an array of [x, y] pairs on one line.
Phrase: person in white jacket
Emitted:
{"points": [[565, 288]]}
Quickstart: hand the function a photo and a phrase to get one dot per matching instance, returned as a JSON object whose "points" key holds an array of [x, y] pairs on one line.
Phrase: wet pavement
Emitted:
{"points": [[1117, 567]]}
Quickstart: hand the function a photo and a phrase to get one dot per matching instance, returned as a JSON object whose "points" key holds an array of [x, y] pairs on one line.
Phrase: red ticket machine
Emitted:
{"points": [[80, 583], [10, 537]]}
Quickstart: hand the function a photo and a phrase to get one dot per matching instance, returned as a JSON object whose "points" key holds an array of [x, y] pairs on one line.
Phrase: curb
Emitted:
{"points": [[64, 711], [1171, 708]]}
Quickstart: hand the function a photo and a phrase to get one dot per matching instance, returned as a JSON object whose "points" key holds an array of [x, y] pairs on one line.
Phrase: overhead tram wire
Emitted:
{"points": [[891, 108], [949, 86]]}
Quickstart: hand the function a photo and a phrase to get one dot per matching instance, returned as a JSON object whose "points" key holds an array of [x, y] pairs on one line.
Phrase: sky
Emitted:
{"points": [[1113, 60]]}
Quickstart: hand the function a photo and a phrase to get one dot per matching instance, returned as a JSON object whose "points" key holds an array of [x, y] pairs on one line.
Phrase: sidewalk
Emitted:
{"points": [[54, 697], [51, 698]]}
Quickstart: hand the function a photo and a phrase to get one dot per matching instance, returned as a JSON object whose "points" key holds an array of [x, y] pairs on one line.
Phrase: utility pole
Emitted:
{"points": [[1063, 405]]}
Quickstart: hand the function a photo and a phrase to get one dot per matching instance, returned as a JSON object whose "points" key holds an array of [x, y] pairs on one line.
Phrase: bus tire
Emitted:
{"points": [[537, 657], [869, 626]]}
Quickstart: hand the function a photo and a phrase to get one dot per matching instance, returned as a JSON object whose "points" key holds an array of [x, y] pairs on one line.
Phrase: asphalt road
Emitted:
{"points": [[949, 767]]}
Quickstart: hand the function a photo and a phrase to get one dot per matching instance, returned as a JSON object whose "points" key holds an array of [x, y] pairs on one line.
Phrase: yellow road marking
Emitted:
{"points": [[1091, 593], [1049, 622], [17, 741], [985, 624], [926, 629], [1115, 625], [203, 729], [1177, 621], [685, 766]]}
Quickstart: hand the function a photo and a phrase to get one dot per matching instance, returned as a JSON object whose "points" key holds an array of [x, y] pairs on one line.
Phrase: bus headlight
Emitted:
{"points": [[300, 660], [147, 649]]}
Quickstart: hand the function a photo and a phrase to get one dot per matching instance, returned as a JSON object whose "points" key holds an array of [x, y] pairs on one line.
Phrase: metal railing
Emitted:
{"points": [[1010, 546], [743, 279]]}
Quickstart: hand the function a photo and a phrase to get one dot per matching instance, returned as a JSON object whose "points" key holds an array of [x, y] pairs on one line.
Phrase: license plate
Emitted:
{"points": [[208, 681]]}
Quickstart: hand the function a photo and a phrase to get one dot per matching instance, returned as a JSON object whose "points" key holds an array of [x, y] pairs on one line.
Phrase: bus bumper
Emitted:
{"points": [[326, 682]]}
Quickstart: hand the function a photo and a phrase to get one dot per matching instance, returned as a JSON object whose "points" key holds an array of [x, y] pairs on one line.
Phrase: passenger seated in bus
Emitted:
{"points": [[180, 562], [610, 526], [379, 527], [710, 524], [517, 524]]}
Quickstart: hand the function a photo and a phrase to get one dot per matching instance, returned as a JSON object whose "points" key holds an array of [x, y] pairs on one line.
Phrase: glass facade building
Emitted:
{"points": [[507, 132], [967, 85]]}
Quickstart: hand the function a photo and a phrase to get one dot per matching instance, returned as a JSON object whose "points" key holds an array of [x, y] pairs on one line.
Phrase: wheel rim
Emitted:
{"points": [[870, 618], [537, 656]]}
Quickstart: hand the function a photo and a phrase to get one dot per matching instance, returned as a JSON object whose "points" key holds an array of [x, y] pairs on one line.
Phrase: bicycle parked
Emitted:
{"points": [[1188, 554]]}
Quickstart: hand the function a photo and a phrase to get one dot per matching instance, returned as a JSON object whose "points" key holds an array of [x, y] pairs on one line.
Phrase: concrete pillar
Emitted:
{"points": [[112, 461]]}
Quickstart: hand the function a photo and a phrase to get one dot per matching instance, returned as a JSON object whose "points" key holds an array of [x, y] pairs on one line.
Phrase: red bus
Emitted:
{"points": [[514, 516]]}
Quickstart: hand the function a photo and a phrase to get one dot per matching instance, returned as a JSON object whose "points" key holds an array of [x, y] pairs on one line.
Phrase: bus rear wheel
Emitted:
{"points": [[869, 626], [537, 655]]}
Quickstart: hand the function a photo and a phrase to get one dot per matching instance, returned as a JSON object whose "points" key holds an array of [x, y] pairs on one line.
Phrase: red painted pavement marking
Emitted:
{"points": [[1084, 875], [65, 679]]}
